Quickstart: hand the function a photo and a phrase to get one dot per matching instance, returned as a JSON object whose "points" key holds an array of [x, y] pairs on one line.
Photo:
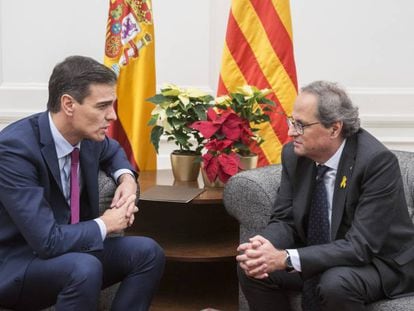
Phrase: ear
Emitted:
{"points": [[67, 103], [336, 129]]}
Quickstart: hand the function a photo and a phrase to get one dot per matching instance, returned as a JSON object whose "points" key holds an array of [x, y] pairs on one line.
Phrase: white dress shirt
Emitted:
{"points": [[329, 181]]}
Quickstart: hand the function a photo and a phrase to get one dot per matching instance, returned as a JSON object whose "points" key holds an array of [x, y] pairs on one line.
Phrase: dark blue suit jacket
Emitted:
{"points": [[34, 214]]}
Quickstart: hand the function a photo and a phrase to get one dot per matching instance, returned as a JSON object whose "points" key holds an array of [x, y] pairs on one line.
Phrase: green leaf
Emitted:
{"points": [[177, 123], [153, 119], [156, 133], [201, 112], [157, 99], [267, 101], [208, 98], [182, 139], [170, 112]]}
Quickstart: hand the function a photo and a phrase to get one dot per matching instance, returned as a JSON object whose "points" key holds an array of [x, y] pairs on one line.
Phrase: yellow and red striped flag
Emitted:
{"points": [[259, 51], [130, 52]]}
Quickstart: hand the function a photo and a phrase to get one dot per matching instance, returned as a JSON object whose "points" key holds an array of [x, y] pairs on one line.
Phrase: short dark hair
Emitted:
{"points": [[74, 76], [334, 105]]}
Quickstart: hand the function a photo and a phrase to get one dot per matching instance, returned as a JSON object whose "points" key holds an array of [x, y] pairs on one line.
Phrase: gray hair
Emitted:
{"points": [[334, 105]]}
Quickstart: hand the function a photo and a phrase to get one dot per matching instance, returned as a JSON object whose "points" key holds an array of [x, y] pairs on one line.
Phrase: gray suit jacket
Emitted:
{"points": [[370, 222], [34, 215]]}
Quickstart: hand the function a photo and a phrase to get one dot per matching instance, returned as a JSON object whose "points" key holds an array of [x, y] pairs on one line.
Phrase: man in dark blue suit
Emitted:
{"points": [[47, 258]]}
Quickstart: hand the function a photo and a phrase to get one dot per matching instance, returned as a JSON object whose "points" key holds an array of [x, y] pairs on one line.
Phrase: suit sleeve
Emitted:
{"points": [[113, 157], [280, 230], [25, 188]]}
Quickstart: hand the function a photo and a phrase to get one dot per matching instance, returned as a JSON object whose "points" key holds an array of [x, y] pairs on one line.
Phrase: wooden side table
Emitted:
{"points": [[199, 239]]}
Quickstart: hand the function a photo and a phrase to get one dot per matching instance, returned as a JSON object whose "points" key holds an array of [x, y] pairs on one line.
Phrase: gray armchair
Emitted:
{"points": [[249, 197]]}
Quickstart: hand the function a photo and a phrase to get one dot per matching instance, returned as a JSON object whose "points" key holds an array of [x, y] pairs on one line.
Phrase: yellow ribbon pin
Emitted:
{"points": [[343, 182]]}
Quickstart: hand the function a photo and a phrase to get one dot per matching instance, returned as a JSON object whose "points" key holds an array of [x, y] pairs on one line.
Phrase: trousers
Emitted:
{"points": [[73, 281], [340, 289]]}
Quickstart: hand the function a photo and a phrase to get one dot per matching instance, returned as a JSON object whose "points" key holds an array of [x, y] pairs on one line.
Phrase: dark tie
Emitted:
{"points": [[318, 233], [74, 187]]}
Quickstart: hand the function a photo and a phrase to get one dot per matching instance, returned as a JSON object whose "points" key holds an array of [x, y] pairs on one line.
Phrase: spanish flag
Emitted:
{"points": [[129, 51], [259, 51]]}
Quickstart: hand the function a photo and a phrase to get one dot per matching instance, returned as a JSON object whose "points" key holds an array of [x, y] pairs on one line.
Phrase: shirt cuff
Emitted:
{"points": [[294, 258], [120, 172], [102, 227]]}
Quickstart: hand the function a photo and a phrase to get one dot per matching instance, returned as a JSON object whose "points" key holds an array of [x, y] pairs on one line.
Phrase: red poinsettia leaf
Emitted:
{"points": [[223, 144], [222, 116], [246, 135], [206, 128], [206, 158], [211, 114], [211, 145], [229, 163], [232, 133], [231, 127], [223, 176], [211, 166]]}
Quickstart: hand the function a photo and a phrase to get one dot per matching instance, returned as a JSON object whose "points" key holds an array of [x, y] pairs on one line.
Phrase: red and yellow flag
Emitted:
{"points": [[129, 51], [259, 51]]}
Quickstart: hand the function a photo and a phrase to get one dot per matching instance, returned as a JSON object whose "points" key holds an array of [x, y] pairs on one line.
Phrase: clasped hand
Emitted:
{"points": [[121, 213], [259, 257]]}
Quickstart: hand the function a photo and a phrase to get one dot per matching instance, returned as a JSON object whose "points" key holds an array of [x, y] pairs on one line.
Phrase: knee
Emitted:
{"points": [[335, 284], [85, 268], [149, 251], [154, 251]]}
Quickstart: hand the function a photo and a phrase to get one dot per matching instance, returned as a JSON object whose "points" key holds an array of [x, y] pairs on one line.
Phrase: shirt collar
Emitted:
{"points": [[63, 147], [333, 161]]}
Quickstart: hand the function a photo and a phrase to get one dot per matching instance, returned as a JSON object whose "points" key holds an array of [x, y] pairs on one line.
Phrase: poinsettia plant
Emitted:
{"points": [[175, 110], [231, 130]]}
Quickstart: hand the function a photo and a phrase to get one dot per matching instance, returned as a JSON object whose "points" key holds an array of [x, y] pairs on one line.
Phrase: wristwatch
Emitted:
{"points": [[288, 263]]}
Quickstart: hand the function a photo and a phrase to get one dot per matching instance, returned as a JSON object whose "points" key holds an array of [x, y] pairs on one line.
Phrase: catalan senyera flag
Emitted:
{"points": [[130, 52], [259, 51]]}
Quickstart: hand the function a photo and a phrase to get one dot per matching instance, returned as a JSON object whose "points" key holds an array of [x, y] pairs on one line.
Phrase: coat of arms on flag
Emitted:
{"points": [[130, 52], [124, 36]]}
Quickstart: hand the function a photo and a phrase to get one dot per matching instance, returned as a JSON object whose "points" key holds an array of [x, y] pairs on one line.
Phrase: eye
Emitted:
{"points": [[103, 106]]}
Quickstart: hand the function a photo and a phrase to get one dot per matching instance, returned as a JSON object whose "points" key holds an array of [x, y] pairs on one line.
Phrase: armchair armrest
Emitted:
{"points": [[249, 196], [107, 187]]}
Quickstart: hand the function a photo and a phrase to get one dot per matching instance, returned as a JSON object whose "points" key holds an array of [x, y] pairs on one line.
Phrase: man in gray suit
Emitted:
{"points": [[340, 230]]}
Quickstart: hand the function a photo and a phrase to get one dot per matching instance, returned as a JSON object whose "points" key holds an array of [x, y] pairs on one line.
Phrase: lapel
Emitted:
{"points": [[48, 148], [89, 165], [343, 176], [303, 186]]}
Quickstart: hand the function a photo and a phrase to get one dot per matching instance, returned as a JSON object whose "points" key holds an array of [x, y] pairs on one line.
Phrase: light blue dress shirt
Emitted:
{"points": [[63, 151]]}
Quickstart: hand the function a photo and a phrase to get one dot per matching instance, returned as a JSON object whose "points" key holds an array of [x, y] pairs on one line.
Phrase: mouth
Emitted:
{"points": [[105, 128]]}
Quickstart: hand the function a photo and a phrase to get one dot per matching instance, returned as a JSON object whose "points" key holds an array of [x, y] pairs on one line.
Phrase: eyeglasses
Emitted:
{"points": [[299, 127]]}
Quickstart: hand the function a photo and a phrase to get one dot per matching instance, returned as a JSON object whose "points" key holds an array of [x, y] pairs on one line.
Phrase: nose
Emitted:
{"points": [[292, 131], [111, 113]]}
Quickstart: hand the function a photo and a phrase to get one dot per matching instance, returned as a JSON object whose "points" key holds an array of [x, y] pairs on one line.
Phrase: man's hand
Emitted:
{"points": [[259, 257], [127, 187], [117, 219]]}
